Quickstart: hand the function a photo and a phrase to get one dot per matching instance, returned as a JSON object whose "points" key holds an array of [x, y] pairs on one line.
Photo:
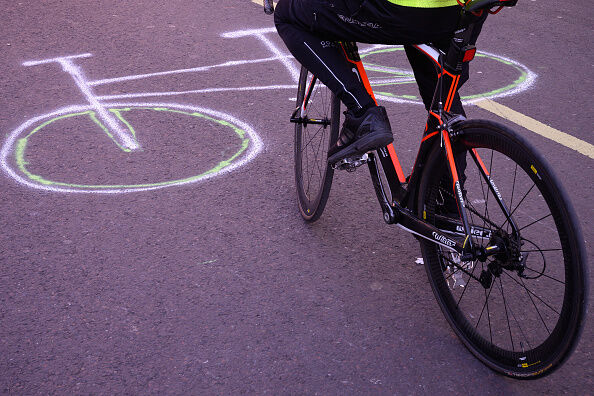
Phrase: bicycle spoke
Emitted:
{"points": [[545, 275], [319, 162], [520, 203], [466, 288], [307, 164], [316, 163], [511, 201], [486, 304], [535, 307], [511, 338], [531, 293], [309, 141], [536, 221], [519, 327], [486, 216]]}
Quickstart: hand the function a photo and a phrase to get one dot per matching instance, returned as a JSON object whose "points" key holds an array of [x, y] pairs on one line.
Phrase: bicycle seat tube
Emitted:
{"points": [[450, 66]]}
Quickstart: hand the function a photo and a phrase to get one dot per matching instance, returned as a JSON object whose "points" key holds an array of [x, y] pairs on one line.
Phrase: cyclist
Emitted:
{"points": [[311, 28]]}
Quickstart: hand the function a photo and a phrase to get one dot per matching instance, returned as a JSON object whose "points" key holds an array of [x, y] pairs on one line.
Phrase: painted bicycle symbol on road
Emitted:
{"points": [[120, 143], [152, 142]]}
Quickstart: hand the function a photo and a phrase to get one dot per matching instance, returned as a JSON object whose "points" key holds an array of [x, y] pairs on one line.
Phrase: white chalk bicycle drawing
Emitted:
{"points": [[122, 124]]}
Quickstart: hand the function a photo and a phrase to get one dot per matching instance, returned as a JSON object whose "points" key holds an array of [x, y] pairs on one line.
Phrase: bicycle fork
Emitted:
{"points": [[115, 127]]}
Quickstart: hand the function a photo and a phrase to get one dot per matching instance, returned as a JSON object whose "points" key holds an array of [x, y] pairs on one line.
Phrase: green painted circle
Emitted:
{"points": [[386, 69], [22, 146]]}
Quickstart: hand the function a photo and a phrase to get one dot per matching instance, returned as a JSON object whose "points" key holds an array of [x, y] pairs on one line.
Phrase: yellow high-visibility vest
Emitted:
{"points": [[424, 3]]}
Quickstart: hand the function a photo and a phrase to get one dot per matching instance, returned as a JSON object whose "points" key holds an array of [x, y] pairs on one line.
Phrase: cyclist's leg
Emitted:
{"points": [[304, 27], [366, 126], [425, 71], [426, 77], [308, 27]]}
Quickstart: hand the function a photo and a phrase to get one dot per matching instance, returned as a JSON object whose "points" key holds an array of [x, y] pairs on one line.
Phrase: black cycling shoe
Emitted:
{"points": [[362, 134]]}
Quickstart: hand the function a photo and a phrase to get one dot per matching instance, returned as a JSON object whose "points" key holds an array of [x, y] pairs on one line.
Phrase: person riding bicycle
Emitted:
{"points": [[312, 28]]}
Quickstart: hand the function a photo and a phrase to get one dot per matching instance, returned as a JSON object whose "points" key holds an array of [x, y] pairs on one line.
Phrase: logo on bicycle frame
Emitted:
{"points": [[443, 240]]}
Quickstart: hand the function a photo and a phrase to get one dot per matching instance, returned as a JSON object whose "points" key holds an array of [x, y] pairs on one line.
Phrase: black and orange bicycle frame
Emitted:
{"points": [[401, 207]]}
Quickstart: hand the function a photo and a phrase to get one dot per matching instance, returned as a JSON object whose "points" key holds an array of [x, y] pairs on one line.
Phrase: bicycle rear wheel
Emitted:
{"points": [[319, 112], [521, 311]]}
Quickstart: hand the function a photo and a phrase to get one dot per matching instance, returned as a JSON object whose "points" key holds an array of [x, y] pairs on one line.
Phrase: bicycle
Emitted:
{"points": [[499, 238]]}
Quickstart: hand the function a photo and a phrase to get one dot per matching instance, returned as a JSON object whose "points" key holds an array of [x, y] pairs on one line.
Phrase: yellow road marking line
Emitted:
{"points": [[537, 127]]}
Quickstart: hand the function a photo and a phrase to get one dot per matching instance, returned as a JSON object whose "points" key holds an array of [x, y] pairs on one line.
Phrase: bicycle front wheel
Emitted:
{"points": [[319, 118], [520, 311]]}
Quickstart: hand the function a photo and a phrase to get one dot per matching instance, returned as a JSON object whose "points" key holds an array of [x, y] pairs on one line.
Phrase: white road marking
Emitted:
{"points": [[196, 91], [260, 34], [190, 70], [256, 145], [120, 131]]}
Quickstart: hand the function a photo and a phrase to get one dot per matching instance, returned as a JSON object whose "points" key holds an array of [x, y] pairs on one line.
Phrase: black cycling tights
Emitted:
{"points": [[310, 29]]}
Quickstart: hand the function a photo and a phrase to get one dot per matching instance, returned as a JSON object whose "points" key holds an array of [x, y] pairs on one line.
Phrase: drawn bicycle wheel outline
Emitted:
{"points": [[525, 77], [250, 146]]}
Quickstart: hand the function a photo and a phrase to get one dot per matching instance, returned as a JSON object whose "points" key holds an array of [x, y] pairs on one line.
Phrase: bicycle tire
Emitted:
{"points": [[526, 323], [313, 175]]}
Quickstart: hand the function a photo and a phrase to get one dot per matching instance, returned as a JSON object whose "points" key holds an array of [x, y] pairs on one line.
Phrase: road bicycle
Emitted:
{"points": [[499, 238]]}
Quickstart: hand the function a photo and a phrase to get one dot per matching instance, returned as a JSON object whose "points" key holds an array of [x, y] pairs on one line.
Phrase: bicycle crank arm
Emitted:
{"points": [[384, 201]]}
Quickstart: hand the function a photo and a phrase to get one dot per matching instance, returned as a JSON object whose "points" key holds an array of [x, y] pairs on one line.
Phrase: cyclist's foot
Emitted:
{"points": [[361, 134]]}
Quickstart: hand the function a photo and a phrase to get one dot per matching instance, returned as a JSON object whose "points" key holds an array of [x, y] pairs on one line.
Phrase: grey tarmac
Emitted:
{"points": [[219, 287]]}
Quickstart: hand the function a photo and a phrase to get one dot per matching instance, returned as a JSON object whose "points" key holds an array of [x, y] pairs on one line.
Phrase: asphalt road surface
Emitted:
{"points": [[193, 277]]}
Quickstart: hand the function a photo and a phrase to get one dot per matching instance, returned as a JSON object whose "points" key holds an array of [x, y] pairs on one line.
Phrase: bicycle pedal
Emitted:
{"points": [[351, 163]]}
